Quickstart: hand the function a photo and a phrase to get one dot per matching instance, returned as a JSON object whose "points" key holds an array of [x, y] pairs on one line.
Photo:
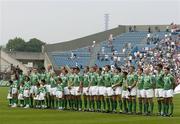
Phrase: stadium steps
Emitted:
{"points": [[94, 54], [13, 61]]}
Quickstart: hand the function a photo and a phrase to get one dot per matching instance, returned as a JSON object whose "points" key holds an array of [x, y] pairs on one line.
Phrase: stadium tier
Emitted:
{"points": [[130, 41]]}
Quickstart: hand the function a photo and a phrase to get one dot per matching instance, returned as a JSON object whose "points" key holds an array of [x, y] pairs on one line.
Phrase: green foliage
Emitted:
{"points": [[18, 44]]}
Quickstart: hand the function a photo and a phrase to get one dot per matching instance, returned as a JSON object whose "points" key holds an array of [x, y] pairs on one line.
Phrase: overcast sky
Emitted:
{"points": [[61, 20]]}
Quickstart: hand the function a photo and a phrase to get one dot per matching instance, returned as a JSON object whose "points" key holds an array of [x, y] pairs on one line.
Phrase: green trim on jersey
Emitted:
{"points": [[140, 82], [148, 82], [131, 78], [159, 80], [168, 82]]}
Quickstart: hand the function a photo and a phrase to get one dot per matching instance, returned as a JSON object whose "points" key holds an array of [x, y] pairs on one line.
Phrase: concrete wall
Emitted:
{"points": [[84, 41], [27, 55]]}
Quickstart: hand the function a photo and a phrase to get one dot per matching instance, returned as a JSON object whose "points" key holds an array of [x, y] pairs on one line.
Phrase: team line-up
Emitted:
{"points": [[96, 89]]}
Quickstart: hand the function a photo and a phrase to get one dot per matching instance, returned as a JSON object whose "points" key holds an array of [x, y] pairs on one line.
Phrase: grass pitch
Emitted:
{"points": [[34, 116]]}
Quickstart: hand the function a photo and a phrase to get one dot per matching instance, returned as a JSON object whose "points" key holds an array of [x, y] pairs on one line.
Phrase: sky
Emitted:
{"points": [[55, 21]]}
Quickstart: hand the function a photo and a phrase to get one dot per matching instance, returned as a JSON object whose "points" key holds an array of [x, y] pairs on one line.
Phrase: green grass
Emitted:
{"points": [[31, 116]]}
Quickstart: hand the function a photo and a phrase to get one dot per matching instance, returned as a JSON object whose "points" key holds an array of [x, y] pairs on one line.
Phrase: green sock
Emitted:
{"points": [[167, 108], [115, 104], [104, 104], [93, 104], [171, 108], [130, 106], [125, 105], [10, 101], [159, 106], [108, 104], [100, 104], [120, 105], [140, 107], [147, 107], [85, 103], [134, 105], [152, 107], [145, 111], [90, 104]]}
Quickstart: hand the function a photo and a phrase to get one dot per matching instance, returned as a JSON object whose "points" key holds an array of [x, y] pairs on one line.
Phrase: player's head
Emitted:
{"points": [[140, 70], [107, 68], [166, 70], [117, 70], [86, 69], [131, 69], [159, 67], [99, 70], [125, 74], [64, 71], [43, 82], [27, 78], [147, 70], [59, 80], [76, 70]]}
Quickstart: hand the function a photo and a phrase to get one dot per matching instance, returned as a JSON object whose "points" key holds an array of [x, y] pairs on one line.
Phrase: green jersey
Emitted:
{"points": [[64, 80], [21, 78], [107, 79], [15, 84], [70, 79], [100, 80], [124, 84], [148, 82], [47, 77], [21, 90], [60, 87], [116, 79], [52, 82], [77, 80], [27, 85], [140, 82], [131, 78], [42, 76], [159, 80], [34, 78], [93, 79], [86, 80], [168, 82], [42, 89]]}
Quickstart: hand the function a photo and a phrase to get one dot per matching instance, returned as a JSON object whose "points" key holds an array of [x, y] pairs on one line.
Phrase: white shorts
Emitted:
{"points": [[101, 90], [85, 91], [41, 96], [93, 90], [9, 96], [72, 91], [109, 91], [168, 93], [26, 93], [118, 91], [53, 91], [20, 96], [33, 89], [76, 91], [59, 94], [14, 90], [125, 94], [36, 97], [66, 91], [48, 87], [159, 93], [133, 92], [140, 93], [149, 93]]}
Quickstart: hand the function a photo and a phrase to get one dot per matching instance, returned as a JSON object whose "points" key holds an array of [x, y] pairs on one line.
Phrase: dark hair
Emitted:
{"points": [[160, 65], [140, 69], [125, 73], [100, 69], [59, 79], [43, 81], [132, 67], [167, 68], [108, 66], [119, 69]]}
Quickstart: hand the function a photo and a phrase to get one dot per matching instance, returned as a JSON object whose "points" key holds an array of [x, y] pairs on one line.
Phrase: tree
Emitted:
{"points": [[34, 45], [18, 44], [15, 44]]}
